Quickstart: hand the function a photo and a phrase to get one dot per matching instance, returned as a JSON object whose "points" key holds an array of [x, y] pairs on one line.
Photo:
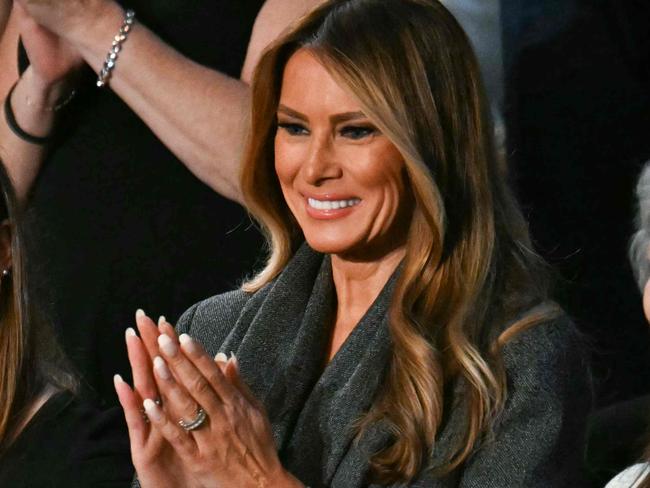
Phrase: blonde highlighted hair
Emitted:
{"points": [[469, 274]]}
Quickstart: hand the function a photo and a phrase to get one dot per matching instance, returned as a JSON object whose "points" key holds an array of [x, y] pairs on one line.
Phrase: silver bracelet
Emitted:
{"points": [[111, 57]]}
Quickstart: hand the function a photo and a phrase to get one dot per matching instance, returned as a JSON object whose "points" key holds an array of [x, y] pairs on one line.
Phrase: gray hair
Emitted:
{"points": [[640, 243]]}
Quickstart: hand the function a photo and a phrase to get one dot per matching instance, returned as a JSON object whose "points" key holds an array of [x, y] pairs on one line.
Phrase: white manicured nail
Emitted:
{"points": [[139, 313], [117, 380], [167, 346], [161, 320], [188, 344], [221, 358], [161, 368], [130, 332], [152, 410], [233, 358]]}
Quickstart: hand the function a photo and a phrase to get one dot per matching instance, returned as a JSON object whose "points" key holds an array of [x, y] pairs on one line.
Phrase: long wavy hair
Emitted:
{"points": [[30, 360], [469, 275]]}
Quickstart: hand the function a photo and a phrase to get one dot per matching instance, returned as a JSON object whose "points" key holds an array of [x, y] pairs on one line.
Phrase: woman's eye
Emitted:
{"points": [[293, 129], [357, 132]]}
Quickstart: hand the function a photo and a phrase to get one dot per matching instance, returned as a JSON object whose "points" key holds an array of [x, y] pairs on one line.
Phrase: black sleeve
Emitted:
{"points": [[102, 451]]}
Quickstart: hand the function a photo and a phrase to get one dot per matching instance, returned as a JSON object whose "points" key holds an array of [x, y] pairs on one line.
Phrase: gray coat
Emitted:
{"points": [[280, 335]]}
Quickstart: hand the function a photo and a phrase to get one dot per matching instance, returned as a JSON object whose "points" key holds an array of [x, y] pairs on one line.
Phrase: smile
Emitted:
{"points": [[332, 204]]}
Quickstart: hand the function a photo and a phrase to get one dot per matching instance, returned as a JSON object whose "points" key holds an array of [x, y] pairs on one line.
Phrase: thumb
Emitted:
{"points": [[231, 372]]}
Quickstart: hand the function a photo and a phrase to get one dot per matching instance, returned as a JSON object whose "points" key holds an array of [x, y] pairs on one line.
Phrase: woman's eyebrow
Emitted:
{"points": [[334, 119], [291, 112], [346, 117]]}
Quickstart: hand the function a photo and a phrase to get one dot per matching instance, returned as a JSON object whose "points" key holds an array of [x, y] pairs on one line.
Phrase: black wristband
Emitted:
{"points": [[10, 117]]}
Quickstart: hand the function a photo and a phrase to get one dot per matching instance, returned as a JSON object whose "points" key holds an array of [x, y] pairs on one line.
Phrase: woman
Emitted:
{"points": [[400, 332], [637, 476], [48, 435]]}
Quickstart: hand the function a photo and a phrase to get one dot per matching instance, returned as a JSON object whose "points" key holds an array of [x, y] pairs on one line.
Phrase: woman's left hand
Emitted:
{"points": [[234, 446], [74, 20]]}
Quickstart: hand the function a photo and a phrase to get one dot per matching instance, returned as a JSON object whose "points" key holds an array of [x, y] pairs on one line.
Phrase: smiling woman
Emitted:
{"points": [[343, 180], [400, 332]]}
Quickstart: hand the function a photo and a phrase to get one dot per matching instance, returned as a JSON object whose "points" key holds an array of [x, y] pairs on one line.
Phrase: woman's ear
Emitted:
{"points": [[5, 245]]}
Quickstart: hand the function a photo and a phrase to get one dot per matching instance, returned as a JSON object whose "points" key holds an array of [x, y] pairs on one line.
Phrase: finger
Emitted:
{"points": [[221, 360], [148, 333], [196, 383], [196, 358], [143, 380], [177, 400], [136, 424], [223, 417], [182, 443], [256, 413], [231, 372], [165, 327]]}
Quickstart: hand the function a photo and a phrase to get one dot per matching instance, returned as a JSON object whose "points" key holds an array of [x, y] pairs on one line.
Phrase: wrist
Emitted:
{"points": [[44, 95], [94, 35], [284, 479]]}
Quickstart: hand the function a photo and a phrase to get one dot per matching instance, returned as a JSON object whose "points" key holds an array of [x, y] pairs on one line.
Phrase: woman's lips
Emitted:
{"points": [[330, 208]]}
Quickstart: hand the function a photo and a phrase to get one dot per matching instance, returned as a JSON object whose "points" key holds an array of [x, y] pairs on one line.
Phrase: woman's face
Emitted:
{"points": [[343, 180]]}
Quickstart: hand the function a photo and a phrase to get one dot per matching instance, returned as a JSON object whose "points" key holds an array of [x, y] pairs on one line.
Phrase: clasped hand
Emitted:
{"points": [[233, 447]]}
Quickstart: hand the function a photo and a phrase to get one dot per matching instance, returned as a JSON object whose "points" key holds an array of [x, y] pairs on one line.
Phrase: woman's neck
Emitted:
{"points": [[358, 284]]}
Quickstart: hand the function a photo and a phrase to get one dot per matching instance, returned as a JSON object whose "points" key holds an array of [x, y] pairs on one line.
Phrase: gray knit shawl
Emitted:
{"points": [[280, 336]]}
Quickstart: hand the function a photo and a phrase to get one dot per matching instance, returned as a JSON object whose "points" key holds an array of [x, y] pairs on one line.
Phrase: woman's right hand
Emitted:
{"points": [[155, 460], [53, 62]]}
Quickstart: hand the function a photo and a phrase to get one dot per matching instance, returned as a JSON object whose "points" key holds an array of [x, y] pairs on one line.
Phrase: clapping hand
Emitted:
{"points": [[51, 58], [210, 428]]}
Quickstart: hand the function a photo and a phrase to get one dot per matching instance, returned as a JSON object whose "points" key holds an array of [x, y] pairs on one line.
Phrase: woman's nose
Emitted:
{"points": [[320, 163]]}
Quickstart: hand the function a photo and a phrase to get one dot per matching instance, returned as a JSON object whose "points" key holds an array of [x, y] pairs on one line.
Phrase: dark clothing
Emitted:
{"points": [[578, 112], [122, 223], [617, 438], [69, 443], [280, 336]]}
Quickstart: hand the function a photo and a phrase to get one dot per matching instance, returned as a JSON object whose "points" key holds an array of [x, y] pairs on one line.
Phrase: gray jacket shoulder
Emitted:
{"points": [[538, 439], [554, 346], [211, 320]]}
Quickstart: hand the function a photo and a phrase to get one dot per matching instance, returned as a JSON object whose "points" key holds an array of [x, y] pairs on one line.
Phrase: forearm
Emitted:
{"points": [[198, 113], [5, 12], [32, 103]]}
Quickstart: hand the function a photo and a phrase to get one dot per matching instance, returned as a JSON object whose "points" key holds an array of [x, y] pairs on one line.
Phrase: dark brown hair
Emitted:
{"points": [[30, 360]]}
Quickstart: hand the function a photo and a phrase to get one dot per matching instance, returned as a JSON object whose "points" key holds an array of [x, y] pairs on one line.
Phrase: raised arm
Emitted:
{"points": [[198, 113], [48, 81]]}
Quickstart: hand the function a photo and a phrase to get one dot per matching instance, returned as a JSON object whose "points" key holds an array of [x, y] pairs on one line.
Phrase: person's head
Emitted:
{"points": [[639, 255], [640, 244], [29, 357], [342, 179], [378, 105]]}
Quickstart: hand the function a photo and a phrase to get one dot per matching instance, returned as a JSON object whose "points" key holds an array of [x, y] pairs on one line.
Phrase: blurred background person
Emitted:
{"points": [[577, 112], [49, 435], [621, 432]]}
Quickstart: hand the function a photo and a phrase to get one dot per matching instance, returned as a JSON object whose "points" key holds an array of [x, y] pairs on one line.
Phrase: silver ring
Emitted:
{"points": [[196, 422]]}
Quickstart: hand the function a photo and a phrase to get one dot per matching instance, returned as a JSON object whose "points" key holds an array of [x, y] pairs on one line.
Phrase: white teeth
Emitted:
{"points": [[332, 204]]}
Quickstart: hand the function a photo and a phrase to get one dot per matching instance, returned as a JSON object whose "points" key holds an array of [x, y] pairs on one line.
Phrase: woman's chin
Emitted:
{"points": [[329, 245]]}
